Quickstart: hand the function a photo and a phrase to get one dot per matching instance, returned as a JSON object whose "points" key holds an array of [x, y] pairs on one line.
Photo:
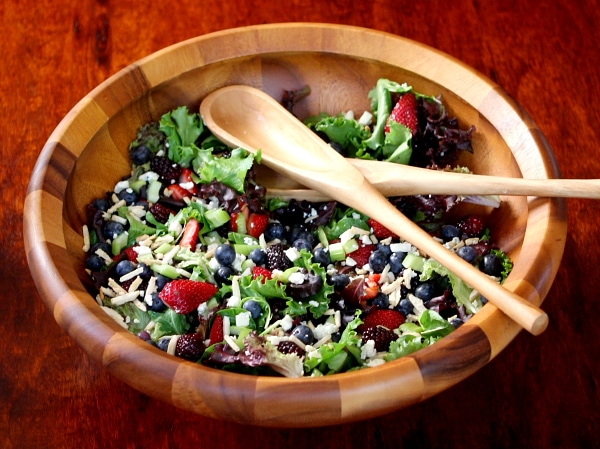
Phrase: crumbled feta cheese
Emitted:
{"points": [[149, 176], [325, 330], [368, 350], [186, 185], [401, 247], [292, 253], [242, 319], [234, 301], [365, 119], [287, 322], [120, 186], [296, 278]]}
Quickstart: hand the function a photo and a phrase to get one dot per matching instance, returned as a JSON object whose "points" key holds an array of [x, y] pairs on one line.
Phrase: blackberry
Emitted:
{"points": [[190, 347], [276, 258], [161, 212], [380, 335], [168, 170], [289, 347]]}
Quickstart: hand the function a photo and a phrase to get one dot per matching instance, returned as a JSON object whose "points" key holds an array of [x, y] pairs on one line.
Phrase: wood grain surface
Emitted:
{"points": [[539, 392]]}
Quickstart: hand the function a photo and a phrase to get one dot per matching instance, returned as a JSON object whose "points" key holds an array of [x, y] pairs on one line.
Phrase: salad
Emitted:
{"points": [[190, 253]]}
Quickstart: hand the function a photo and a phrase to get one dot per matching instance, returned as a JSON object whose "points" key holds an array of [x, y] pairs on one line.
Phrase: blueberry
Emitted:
{"points": [[303, 333], [395, 261], [258, 256], [140, 155], [491, 265], [102, 204], [124, 267], [225, 254], [382, 300], [100, 245], [129, 195], [146, 271], [111, 229], [223, 274], [94, 262], [405, 307], [385, 249], [468, 253], [157, 304], [321, 256], [340, 281], [301, 244], [254, 308], [456, 322], [161, 281], [275, 231], [348, 315], [163, 343], [425, 291], [449, 232], [378, 261]]}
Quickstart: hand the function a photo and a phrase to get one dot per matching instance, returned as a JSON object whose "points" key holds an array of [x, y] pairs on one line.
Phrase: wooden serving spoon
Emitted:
{"points": [[396, 179], [247, 117]]}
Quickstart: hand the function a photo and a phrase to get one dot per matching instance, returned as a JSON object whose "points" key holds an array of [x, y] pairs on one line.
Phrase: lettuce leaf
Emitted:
{"points": [[231, 170], [182, 128]]}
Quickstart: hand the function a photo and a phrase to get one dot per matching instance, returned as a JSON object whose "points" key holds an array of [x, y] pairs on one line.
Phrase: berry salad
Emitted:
{"points": [[190, 253]]}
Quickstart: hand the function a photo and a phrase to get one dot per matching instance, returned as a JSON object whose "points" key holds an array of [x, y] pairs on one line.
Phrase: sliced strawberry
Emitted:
{"points": [[131, 254], [190, 234], [256, 224], [265, 273], [405, 113], [184, 295], [361, 255], [178, 193], [388, 318], [380, 231], [371, 287], [187, 179], [216, 331]]}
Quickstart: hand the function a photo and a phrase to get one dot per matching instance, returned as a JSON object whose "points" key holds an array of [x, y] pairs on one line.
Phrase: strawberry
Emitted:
{"points": [[379, 230], [131, 254], [190, 347], [178, 192], [472, 225], [265, 273], [371, 286], [256, 224], [405, 113], [216, 331], [388, 318], [361, 255], [185, 178], [190, 234], [184, 295]]}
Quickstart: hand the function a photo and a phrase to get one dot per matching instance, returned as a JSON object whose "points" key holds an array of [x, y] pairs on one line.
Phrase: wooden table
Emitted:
{"points": [[541, 392]]}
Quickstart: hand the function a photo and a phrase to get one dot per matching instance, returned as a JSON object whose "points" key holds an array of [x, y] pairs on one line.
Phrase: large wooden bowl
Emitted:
{"points": [[87, 154]]}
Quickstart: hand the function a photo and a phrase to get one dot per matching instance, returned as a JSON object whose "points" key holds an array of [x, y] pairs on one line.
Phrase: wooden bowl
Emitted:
{"points": [[87, 154]]}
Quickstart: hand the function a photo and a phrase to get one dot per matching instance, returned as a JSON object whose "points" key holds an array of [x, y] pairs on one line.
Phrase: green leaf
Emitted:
{"points": [[231, 170], [168, 322], [182, 128]]}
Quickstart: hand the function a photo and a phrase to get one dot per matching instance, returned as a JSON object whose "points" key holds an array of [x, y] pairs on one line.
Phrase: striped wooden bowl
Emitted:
{"points": [[87, 154]]}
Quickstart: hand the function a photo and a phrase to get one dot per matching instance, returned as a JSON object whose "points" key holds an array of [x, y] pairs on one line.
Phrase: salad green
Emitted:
{"points": [[277, 287]]}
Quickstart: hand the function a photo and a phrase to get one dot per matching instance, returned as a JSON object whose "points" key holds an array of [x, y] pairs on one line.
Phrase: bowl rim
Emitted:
{"points": [[252, 401]]}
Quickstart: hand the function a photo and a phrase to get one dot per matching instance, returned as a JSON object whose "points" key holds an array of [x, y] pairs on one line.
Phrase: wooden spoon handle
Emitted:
{"points": [[524, 313], [398, 180]]}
